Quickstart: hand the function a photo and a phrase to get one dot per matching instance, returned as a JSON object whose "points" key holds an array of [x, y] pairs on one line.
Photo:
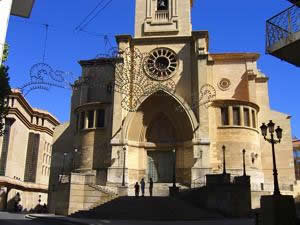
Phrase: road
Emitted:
{"points": [[19, 219]]}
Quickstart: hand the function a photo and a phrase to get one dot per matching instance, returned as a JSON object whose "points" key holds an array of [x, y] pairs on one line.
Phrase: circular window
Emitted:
{"points": [[161, 64], [224, 84]]}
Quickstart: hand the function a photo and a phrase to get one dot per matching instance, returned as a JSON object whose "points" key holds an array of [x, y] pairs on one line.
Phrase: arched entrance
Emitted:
{"points": [[160, 160], [159, 127]]}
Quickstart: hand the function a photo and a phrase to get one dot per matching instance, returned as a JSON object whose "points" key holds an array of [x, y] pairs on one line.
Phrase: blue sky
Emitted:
{"points": [[234, 26]]}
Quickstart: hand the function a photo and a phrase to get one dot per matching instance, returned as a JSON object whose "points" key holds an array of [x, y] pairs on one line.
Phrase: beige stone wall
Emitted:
{"points": [[149, 24], [21, 112]]}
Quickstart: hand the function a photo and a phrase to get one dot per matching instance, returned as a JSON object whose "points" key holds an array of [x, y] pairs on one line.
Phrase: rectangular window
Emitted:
{"points": [[236, 116], [162, 4], [90, 119], [246, 117], [5, 145], [100, 118], [224, 115], [32, 157], [82, 120], [253, 119]]}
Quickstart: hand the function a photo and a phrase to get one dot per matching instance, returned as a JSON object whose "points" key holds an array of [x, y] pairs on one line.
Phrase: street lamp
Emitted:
{"points": [[74, 158], [264, 130], [174, 168], [63, 168], [224, 159], [244, 163], [124, 159]]}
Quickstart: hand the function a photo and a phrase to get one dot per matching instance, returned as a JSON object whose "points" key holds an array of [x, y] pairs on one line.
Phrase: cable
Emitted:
{"points": [[104, 7], [76, 28]]}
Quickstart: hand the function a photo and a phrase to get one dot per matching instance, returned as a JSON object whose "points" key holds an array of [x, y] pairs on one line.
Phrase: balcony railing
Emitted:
{"points": [[162, 16], [282, 26]]}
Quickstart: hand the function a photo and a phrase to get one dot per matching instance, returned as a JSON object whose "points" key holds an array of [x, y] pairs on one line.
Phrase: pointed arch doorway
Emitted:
{"points": [[160, 160], [153, 132]]}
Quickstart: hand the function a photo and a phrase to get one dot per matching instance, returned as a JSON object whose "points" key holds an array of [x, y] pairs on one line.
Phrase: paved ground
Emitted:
{"points": [[19, 219]]}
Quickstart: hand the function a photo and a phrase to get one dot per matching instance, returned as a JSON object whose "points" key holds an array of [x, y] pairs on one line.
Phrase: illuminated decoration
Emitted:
{"points": [[132, 82], [43, 77], [206, 96]]}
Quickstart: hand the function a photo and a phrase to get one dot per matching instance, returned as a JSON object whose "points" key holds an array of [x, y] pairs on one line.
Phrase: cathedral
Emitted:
{"points": [[162, 106]]}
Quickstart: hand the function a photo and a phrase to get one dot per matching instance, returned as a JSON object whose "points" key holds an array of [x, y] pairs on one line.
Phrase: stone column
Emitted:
{"points": [[230, 115], [242, 116]]}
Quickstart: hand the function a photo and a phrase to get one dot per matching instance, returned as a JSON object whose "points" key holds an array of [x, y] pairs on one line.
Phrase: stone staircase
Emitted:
{"points": [[146, 208]]}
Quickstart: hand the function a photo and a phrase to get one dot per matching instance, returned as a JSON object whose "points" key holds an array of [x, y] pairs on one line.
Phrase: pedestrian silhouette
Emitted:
{"points": [[151, 187], [17, 201], [137, 189], [143, 187]]}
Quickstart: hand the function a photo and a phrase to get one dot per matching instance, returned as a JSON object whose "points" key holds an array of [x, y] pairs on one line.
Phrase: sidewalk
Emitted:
{"points": [[75, 221]]}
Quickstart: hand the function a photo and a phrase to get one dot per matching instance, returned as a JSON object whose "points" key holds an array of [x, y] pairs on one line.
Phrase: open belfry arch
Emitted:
{"points": [[162, 93]]}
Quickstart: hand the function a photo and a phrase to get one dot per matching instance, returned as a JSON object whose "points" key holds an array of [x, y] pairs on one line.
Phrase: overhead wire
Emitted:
{"points": [[83, 21], [101, 9]]}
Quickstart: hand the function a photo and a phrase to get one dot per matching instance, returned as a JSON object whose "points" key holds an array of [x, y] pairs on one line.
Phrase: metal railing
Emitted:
{"points": [[282, 26]]}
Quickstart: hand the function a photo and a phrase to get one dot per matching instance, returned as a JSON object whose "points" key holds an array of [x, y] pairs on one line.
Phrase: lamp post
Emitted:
{"points": [[63, 167], [264, 130], [224, 159], [74, 159], [124, 160], [174, 168], [244, 163]]}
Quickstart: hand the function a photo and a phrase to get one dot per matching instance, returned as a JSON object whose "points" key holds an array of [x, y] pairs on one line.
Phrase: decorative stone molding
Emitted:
{"points": [[224, 84]]}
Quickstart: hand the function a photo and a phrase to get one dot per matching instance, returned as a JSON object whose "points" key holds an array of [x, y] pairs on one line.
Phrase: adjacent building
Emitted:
{"points": [[25, 154], [283, 34], [162, 100], [296, 147], [21, 8]]}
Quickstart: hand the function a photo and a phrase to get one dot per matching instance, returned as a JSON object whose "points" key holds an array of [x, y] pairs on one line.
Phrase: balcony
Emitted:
{"points": [[162, 16], [283, 35]]}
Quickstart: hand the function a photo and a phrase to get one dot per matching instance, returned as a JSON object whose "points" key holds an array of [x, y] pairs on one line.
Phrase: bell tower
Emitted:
{"points": [[156, 18]]}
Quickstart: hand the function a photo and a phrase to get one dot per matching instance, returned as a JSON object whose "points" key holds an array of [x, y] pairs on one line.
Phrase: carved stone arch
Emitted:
{"points": [[180, 103], [160, 130]]}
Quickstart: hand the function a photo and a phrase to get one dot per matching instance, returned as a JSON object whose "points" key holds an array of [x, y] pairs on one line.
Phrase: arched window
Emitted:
{"points": [[162, 4]]}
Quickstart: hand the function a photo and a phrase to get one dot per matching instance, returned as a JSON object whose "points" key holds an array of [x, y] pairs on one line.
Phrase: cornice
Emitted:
{"points": [[223, 102], [31, 111], [90, 105], [234, 56], [30, 126]]}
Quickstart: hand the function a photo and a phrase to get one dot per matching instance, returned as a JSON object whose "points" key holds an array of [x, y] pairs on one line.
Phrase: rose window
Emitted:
{"points": [[161, 64]]}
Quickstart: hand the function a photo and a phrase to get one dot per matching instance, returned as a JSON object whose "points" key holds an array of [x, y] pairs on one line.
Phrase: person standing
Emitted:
{"points": [[17, 201], [137, 189], [151, 187], [143, 187]]}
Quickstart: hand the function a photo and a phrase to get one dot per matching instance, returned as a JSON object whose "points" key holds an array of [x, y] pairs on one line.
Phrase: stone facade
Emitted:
{"points": [[164, 98], [25, 154]]}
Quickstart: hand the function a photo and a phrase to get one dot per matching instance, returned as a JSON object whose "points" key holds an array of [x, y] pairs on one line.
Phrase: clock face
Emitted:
{"points": [[161, 64]]}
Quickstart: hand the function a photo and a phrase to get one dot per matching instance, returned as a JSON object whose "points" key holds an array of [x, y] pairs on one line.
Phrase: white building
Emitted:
{"points": [[21, 8]]}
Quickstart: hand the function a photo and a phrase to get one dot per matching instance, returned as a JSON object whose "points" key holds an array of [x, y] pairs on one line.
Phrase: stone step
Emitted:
{"points": [[147, 208]]}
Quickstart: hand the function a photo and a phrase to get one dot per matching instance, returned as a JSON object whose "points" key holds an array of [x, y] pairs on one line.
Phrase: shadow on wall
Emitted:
{"points": [[242, 91], [15, 205]]}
